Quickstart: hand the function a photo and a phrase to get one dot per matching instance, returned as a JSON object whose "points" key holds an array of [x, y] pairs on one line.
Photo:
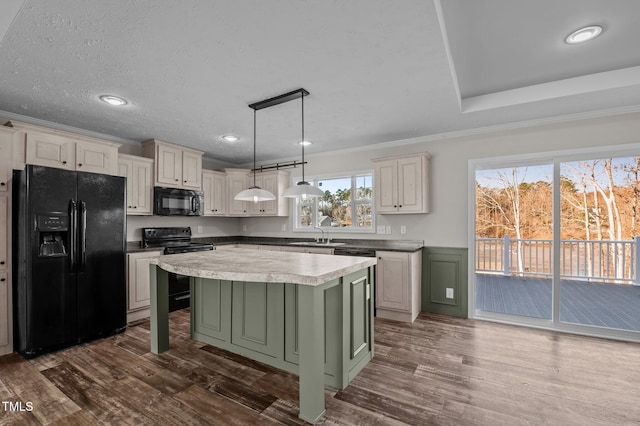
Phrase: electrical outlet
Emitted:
{"points": [[199, 229], [388, 230], [403, 229], [283, 228], [449, 293], [380, 229]]}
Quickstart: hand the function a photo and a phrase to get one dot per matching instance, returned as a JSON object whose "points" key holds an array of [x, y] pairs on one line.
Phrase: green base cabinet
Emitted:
{"points": [[260, 321], [445, 268]]}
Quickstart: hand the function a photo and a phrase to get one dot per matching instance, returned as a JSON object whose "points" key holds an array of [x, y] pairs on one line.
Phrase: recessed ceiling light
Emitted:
{"points": [[305, 143], [230, 138], [584, 34], [113, 100]]}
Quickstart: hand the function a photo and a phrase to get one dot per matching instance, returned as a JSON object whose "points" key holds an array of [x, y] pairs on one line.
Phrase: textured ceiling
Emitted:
{"points": [[377, 70]]}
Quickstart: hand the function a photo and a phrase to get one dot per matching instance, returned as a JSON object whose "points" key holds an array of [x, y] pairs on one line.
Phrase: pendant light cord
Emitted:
{"points": [[302, 141], [254, 147]]}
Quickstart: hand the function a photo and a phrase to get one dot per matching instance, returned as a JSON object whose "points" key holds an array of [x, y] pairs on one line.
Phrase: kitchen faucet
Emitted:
{"points": [[321, 230]]}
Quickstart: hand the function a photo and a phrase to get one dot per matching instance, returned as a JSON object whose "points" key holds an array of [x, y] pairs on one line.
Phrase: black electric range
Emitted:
{"points": [[174, 240]]}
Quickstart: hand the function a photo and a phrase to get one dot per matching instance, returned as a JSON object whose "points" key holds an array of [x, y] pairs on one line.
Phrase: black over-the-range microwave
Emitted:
{"points": [[177, 202]]}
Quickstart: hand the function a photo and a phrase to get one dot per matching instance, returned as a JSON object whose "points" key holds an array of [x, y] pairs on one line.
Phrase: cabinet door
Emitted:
{"points": [[235, 184], [270, 183], [191, 170], [50, 150], [138, 279], [392, 286], [410, 185], [142, 187], [211, 308], [125, 169], [6, 158], [169, 166], [214, 188], [258, 317], [4, 232], [386, 186], [4, 314], [96, 158]]}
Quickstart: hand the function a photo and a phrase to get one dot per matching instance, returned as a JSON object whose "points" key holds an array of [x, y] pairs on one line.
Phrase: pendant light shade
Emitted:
{"points": [[254, 193], [303, 189]]}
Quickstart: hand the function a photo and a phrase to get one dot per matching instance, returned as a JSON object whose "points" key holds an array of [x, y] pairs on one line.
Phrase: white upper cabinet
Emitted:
{"points": [[6, 157], [237, 180], [64, 150], [214, 186], [175, 166], [401, 184], [139, 172], [275, 182]]}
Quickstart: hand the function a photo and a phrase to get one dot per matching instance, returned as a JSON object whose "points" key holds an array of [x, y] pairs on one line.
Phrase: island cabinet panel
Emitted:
{"points": [[261, 321], [359, 324], [215, 320], [257, 320], [353, 324]]}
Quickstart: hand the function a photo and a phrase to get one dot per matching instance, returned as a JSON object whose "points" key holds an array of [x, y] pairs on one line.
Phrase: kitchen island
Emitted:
{"points": [[310, 314]]}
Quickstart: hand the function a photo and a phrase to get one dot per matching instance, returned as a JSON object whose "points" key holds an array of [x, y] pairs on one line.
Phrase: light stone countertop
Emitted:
{"points": [[263, 266]]}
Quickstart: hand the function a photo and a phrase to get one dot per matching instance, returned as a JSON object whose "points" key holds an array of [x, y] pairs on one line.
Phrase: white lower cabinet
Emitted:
{"points": [[6, 346], [398, 285], [138, 292]]}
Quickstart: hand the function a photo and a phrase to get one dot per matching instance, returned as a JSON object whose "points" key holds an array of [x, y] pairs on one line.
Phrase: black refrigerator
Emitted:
{"points": [[69, 236]]}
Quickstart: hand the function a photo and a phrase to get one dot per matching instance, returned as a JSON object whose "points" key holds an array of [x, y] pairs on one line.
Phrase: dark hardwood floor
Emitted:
{"points": [[439, 370]]}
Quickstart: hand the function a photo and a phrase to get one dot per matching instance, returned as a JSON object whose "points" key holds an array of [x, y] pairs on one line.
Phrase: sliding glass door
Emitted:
{"points": [[557, 243], [599, 249], [513, 240]]}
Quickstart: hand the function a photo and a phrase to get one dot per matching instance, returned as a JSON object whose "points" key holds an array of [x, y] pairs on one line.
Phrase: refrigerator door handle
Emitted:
{"points": [[83, 235], [73, 237]]}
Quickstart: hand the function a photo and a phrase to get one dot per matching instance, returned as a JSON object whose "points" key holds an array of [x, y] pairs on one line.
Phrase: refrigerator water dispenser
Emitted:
{"points": [[52, 229]]}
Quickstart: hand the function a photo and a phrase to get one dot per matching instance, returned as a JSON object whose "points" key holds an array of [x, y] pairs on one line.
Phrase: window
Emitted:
{"points": [[346, 206]]}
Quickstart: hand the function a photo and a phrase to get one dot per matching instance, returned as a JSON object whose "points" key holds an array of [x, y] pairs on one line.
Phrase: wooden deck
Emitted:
{"points": [[589, 303]]}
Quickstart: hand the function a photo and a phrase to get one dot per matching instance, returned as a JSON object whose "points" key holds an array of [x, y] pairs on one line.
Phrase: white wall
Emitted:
{"points": [[446, 225], [211, 226]]}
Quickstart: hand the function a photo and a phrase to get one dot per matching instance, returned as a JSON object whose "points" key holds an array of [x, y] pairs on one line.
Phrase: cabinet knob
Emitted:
{"points": [[135, 207], [177, 180], [64, 162], [185, 181], [2, 183], [395, 205], [79, 164], [400, 206], [129, 207], [2, 262], [2, 280]]}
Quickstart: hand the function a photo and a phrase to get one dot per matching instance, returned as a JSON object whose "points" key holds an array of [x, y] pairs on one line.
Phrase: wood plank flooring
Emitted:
{"points": [[438, 371]]}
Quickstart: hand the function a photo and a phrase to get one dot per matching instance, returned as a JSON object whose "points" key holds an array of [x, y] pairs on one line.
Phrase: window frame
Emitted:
{"points": [[295, 227]]}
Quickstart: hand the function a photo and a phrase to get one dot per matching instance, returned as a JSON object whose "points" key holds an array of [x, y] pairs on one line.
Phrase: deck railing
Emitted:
{"points": [[589, 260]]}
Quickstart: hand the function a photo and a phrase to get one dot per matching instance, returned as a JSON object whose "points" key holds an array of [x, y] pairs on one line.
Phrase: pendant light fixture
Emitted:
{"points": [[254, 193], [303, 189]]}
